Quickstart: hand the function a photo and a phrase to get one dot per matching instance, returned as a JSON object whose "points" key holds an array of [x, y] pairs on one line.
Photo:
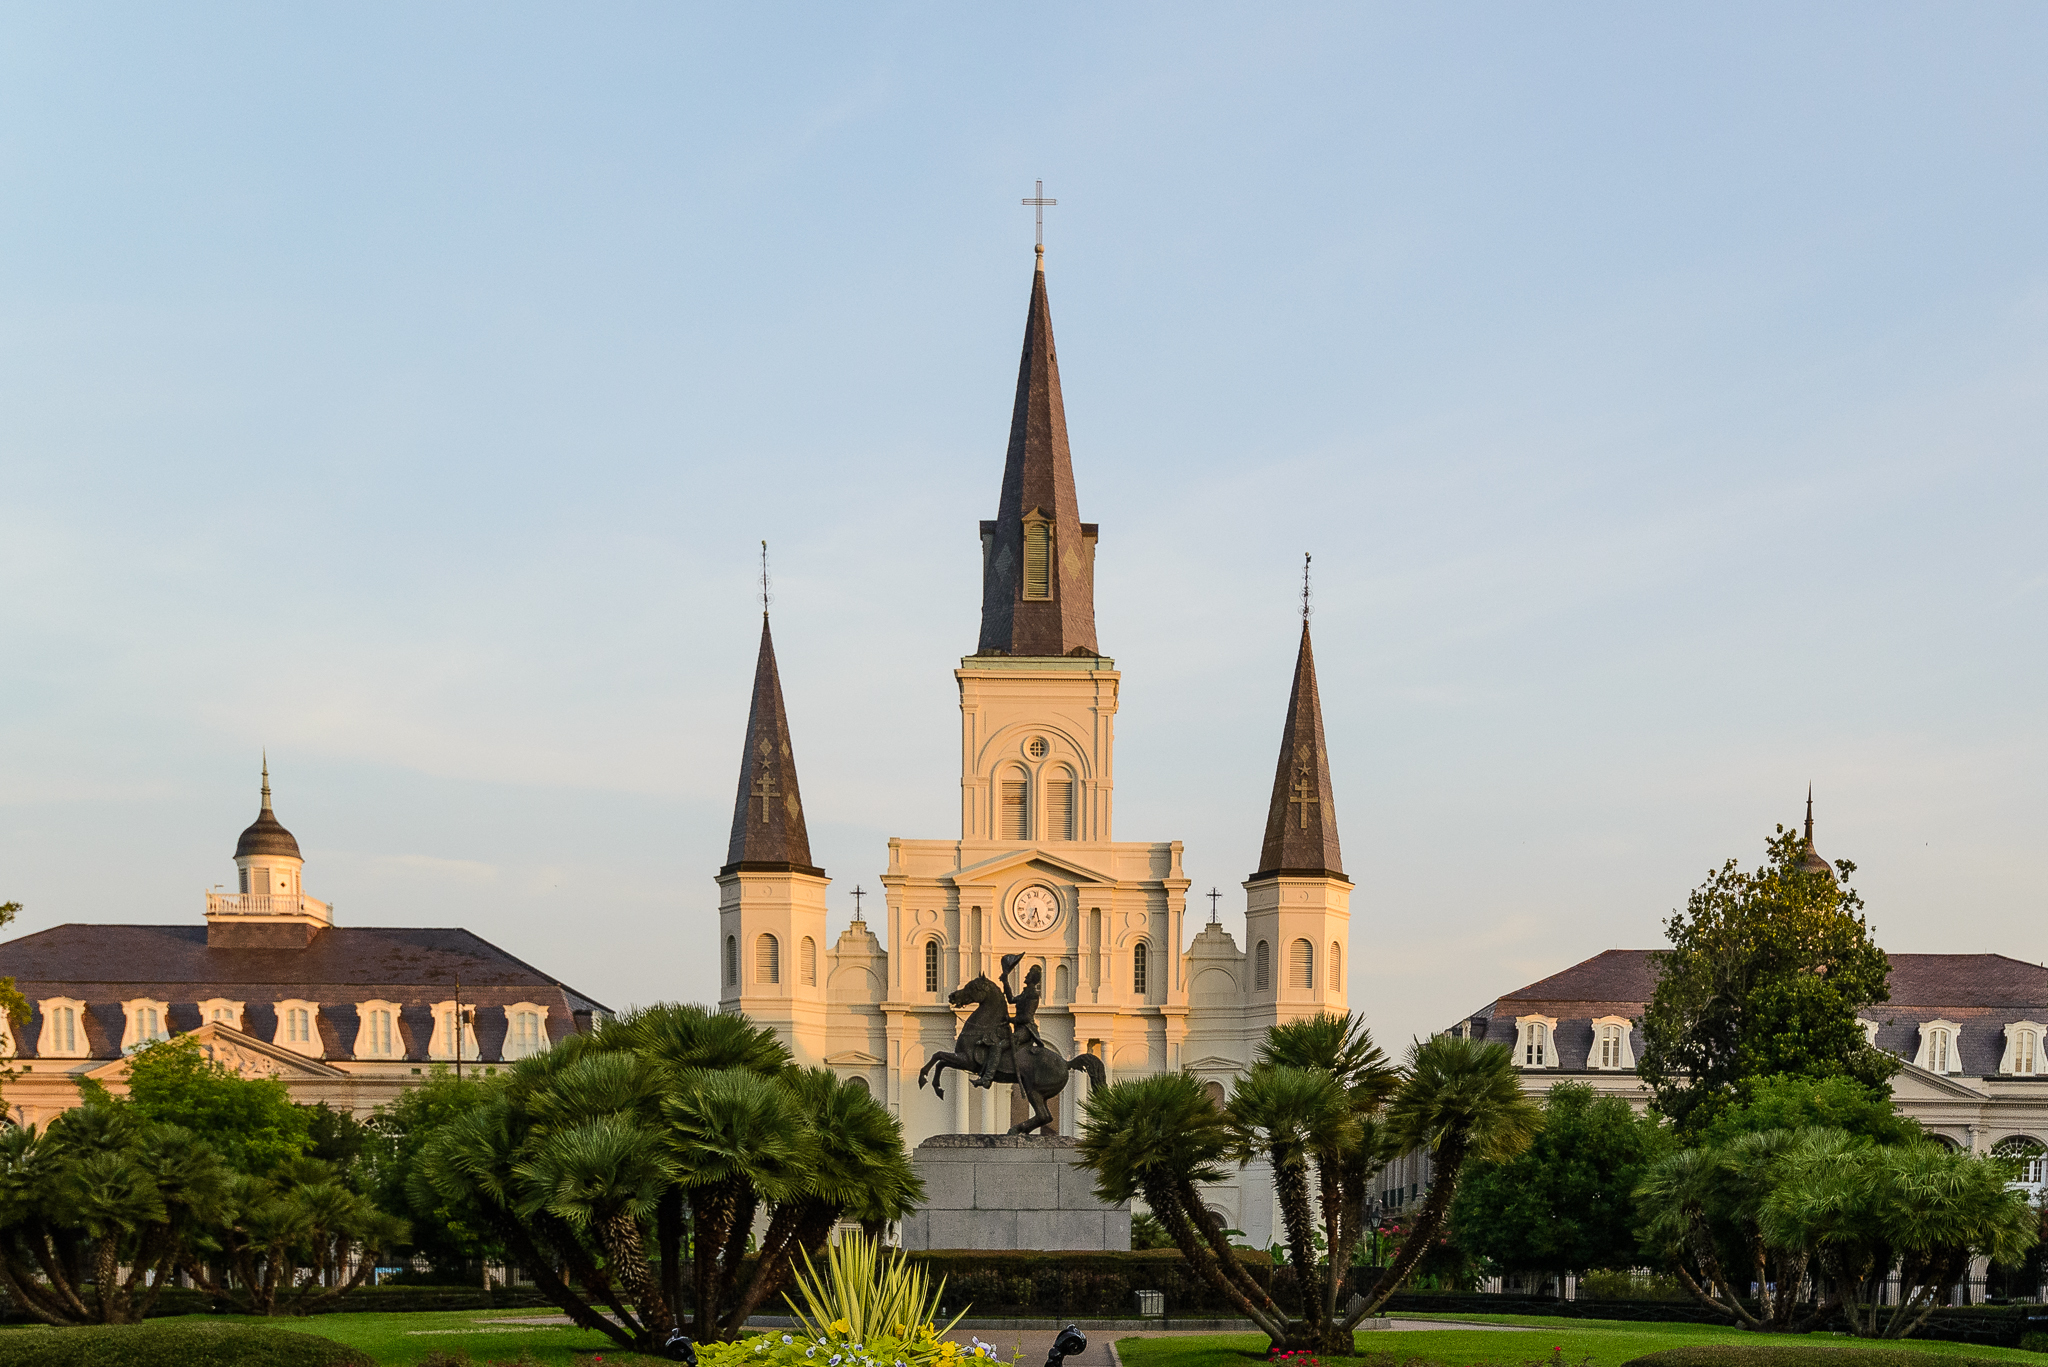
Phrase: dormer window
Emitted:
{"points": [[2022, 1050], [298, 1027], [525, 1030], [377, 1035], [147, 1021], [1612, 1049], [1940, 1047], [63, 1034], [1536, 1047]]}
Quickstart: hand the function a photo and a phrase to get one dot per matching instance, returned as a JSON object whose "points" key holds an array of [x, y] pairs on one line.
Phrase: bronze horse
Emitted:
{"points": [[1045, 1071]]}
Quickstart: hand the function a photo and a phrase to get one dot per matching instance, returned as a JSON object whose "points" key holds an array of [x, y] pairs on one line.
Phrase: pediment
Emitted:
{"points": [[853, 1058], [1212, 1064], [1041, 860], [243, 1055], [1920, 1082]]}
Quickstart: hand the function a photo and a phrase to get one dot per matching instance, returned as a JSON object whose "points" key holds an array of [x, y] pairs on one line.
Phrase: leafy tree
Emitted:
{"points": [[303, 1216], [335, 1137], [1766, 972], [444, 1232], [252, 1122], [106, 1197], [1796, 1102], [641, 1155], [11, 1001], [1568, 1203]]}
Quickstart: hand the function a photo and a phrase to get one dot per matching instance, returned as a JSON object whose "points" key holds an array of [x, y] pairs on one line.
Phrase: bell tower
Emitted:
{"points": [[771, 898], [1298, 904]]}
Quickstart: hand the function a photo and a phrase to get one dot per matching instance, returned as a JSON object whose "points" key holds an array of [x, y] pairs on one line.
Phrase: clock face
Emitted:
{"points": [[1036, 908]]}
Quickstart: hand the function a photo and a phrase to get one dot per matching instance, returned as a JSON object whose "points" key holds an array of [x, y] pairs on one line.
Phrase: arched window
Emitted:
{"points": [[1262, 967], [767, 959], [1301, 964], [732, 961], [859, 1084], [807, 962], [1014, 821], [1535, 1044], [2029, 1154], [1062, 984], [1610, 1046], [1138, 968], [1059, 807], [1214, 1091], [1937, 1050], [1037, 558], [1336, 967], [931, 965]]}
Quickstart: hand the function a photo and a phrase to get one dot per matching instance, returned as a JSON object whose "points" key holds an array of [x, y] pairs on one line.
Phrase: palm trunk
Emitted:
{"points": [[1202, 1257], [1450, 1159], [1290, 1182], [626, 1251]]}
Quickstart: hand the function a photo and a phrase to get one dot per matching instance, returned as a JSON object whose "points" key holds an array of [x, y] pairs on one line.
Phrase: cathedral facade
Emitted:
{"points": [[1036, 869]]}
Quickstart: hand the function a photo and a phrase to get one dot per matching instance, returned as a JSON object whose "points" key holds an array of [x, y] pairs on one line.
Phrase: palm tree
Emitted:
{"points": [[1341, 1046], [1289, 1117], [1158, 1138], [1460, 1100]]}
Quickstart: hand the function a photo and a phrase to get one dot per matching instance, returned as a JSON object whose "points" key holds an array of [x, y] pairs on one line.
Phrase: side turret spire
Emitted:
{"points": [[1038, 557], [1301, 821], [1809, 860], [768, 816]]}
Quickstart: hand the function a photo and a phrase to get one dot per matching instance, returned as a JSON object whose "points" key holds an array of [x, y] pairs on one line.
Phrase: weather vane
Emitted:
{"points": [[1038, 203]]}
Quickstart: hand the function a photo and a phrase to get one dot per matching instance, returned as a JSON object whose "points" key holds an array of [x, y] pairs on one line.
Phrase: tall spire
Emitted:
{"points": [[266, 778], [1301, 822], [768, 817], [1038, 557], [1809, 860], [266, 834]]}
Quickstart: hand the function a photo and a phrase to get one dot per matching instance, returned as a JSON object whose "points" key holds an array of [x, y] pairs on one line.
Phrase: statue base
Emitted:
{"points": [[999, 1191]]}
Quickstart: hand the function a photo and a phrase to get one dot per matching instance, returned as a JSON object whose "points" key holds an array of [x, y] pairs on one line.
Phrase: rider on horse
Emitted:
{"points": [[1023, 1018]]}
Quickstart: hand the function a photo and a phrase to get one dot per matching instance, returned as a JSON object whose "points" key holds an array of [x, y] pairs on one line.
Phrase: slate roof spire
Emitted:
{"points": [[1038, 557], [1301, 822], [1809, 860], [768, 817]]}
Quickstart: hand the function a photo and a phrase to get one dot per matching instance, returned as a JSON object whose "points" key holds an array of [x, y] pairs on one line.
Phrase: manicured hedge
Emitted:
{"points": [[177, 1300], [1100, 1284], [1796, 1355], [167, 1343]]}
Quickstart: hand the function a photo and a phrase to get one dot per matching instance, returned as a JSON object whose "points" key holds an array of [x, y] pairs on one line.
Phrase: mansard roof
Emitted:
{"points": [[412, 967], [1982, 993], [1301, 820], [1038, 485], [768, 815]]}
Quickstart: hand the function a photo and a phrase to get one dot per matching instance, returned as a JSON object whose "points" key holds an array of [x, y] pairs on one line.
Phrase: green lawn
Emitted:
{"points": [[1593, 1343], [396, 1340]]}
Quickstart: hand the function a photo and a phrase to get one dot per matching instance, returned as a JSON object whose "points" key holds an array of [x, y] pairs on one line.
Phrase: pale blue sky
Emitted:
{"points": [[406, 388]]}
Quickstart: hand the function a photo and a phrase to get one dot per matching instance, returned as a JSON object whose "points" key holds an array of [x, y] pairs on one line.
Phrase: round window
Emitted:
{"points": [[1037, 748]]}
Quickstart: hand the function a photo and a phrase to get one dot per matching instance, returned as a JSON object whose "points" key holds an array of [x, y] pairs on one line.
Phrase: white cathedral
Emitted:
{"points": [[1036, 869]]}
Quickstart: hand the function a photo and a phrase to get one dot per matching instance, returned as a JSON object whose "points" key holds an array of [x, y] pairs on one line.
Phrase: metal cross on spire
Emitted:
{"points": [[764, 579], [1212, 895], [858, 893], [1038, 202], [1305, 557]]}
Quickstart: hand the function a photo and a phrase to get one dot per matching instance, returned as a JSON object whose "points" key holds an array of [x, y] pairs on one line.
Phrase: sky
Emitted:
{"points": [[407, 389]]}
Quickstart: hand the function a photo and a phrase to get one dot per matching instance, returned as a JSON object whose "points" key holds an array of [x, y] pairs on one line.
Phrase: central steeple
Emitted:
{"points": [[1038, 557]]}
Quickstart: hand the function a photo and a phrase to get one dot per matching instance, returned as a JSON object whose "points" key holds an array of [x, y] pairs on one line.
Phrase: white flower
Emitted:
{"points": [[810, 1352], [787, 1339]]}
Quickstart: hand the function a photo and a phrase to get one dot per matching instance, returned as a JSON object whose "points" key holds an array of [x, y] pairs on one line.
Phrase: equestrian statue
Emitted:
{"points": [[997, 1046]]}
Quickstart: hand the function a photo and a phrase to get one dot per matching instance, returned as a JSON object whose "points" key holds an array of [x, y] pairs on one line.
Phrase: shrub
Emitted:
{"points": [[168, 1343], [1795, 1355]]}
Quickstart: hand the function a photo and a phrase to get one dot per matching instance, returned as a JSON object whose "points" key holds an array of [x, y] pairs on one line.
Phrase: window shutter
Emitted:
{"points": [[767, 960], [1014, 826], [931, 965], [732, 961], [807, 962], [1138, 968], [1037, 560], [1301, 964], [1262, 967], [1059, 809]]}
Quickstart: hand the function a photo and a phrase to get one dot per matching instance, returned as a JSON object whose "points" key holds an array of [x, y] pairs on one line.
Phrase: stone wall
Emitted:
{"points": [[993, 1191]]}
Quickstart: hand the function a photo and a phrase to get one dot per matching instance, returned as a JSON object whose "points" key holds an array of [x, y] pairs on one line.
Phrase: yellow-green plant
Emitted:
{"points": [[864, 1308]]}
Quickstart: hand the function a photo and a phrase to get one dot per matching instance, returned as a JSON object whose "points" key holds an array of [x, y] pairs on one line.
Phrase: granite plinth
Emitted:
{"points": [[1000, 1191]]}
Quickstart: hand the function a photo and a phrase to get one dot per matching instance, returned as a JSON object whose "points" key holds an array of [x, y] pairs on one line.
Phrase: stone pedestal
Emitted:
{"points": [[998, 1191]]}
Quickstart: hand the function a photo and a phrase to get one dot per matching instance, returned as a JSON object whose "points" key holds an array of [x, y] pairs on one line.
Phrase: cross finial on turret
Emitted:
{"points": [[1038, 202], [1213, 896], [858, 893], [1305, 609], [764, 579]]}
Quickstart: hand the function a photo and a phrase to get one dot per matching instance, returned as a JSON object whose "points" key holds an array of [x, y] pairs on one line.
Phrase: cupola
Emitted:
{"points": [[269, 908]]}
